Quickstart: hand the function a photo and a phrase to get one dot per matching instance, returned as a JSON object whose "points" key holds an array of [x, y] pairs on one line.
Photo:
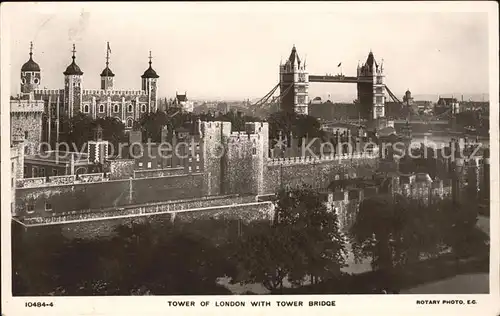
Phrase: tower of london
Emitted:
{"points": [[72, 99]]}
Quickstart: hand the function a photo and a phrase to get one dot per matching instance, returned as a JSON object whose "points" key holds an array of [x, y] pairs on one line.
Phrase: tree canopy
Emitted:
{"points": [[395, 232], [288, 123], [80, 129], [303, 241]]}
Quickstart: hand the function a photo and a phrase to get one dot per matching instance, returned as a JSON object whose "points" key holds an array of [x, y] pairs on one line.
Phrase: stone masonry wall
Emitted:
{"points": [[159, 172], [121, 168], [50, 200], [318, 173], [27, 124], [105, 228], [242, 168]]}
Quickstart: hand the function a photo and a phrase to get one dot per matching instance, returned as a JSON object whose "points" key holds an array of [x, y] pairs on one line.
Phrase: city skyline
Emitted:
{"points": [[243, 62]]}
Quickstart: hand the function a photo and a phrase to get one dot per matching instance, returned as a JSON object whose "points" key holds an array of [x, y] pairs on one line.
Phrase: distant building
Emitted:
{"points": [[407, 98], [316, 100], [180, 150], [182, 102], [423, 106], [98, 148], [55, 163], [223, 107], [447, 104], [328, 111]]}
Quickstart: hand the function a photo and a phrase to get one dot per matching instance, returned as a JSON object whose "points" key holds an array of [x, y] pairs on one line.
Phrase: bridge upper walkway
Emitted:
{"points": [[338, 78]]}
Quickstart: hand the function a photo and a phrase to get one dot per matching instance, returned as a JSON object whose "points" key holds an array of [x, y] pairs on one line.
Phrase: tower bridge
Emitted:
{"points": [[295, 80]]}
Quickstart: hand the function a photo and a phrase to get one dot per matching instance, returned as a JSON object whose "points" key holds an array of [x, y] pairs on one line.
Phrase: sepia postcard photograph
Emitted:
{"points": [[270, 157]]}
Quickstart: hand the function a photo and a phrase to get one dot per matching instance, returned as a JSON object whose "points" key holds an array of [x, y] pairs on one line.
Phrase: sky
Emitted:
{"points": [[233, 50]]}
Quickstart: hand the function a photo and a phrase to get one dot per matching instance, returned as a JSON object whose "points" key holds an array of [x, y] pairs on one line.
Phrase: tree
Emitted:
{"points": [[113, 129], [267, 257], [34, 252], [304, 241], [376, 224], [395, 232], [80, 131], [459, 230], [320, 241], [297, 124], [152, 124]]}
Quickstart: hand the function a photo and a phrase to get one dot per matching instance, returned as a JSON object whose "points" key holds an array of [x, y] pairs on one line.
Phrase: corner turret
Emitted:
{"points": [[30, 74]]}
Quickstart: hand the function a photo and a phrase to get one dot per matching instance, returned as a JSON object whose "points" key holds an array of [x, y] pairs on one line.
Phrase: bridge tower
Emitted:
{"points": [[371, 89], [294, 84]]}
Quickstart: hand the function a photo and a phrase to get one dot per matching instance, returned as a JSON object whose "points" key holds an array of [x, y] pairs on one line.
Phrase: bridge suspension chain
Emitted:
{"points": [[392, 95], [264, 100], [281, 94], [266, 97]]}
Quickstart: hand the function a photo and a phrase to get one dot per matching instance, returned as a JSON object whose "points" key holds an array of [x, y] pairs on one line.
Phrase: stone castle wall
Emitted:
{"points": [[318, 173], [246, 212], [27, 124], [121, 169], [152, 173], [50, 200], [246, 153], [214, 137]]}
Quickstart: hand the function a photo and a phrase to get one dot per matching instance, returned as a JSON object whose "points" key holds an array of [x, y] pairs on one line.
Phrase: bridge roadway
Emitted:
{"points": [[338, 78]]}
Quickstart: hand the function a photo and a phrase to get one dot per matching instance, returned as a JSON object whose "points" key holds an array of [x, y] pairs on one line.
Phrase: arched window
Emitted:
{"points": [[130, 122], [23, 80], [130, 108], [86, 108], [143, 108], [101, 108]]}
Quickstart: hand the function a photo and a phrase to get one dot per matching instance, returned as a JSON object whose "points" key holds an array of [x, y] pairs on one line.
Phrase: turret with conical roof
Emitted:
{"points": [[73, 87], [73, 69], [30, 74], [150, 73], [149, 85], [107, 76]]}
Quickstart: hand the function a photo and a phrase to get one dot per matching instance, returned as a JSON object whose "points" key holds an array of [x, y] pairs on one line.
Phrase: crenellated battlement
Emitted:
{"points": [[48, 91], [314, 160], [26, 105], [239, 136], [113, 92], [60, 180]]}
